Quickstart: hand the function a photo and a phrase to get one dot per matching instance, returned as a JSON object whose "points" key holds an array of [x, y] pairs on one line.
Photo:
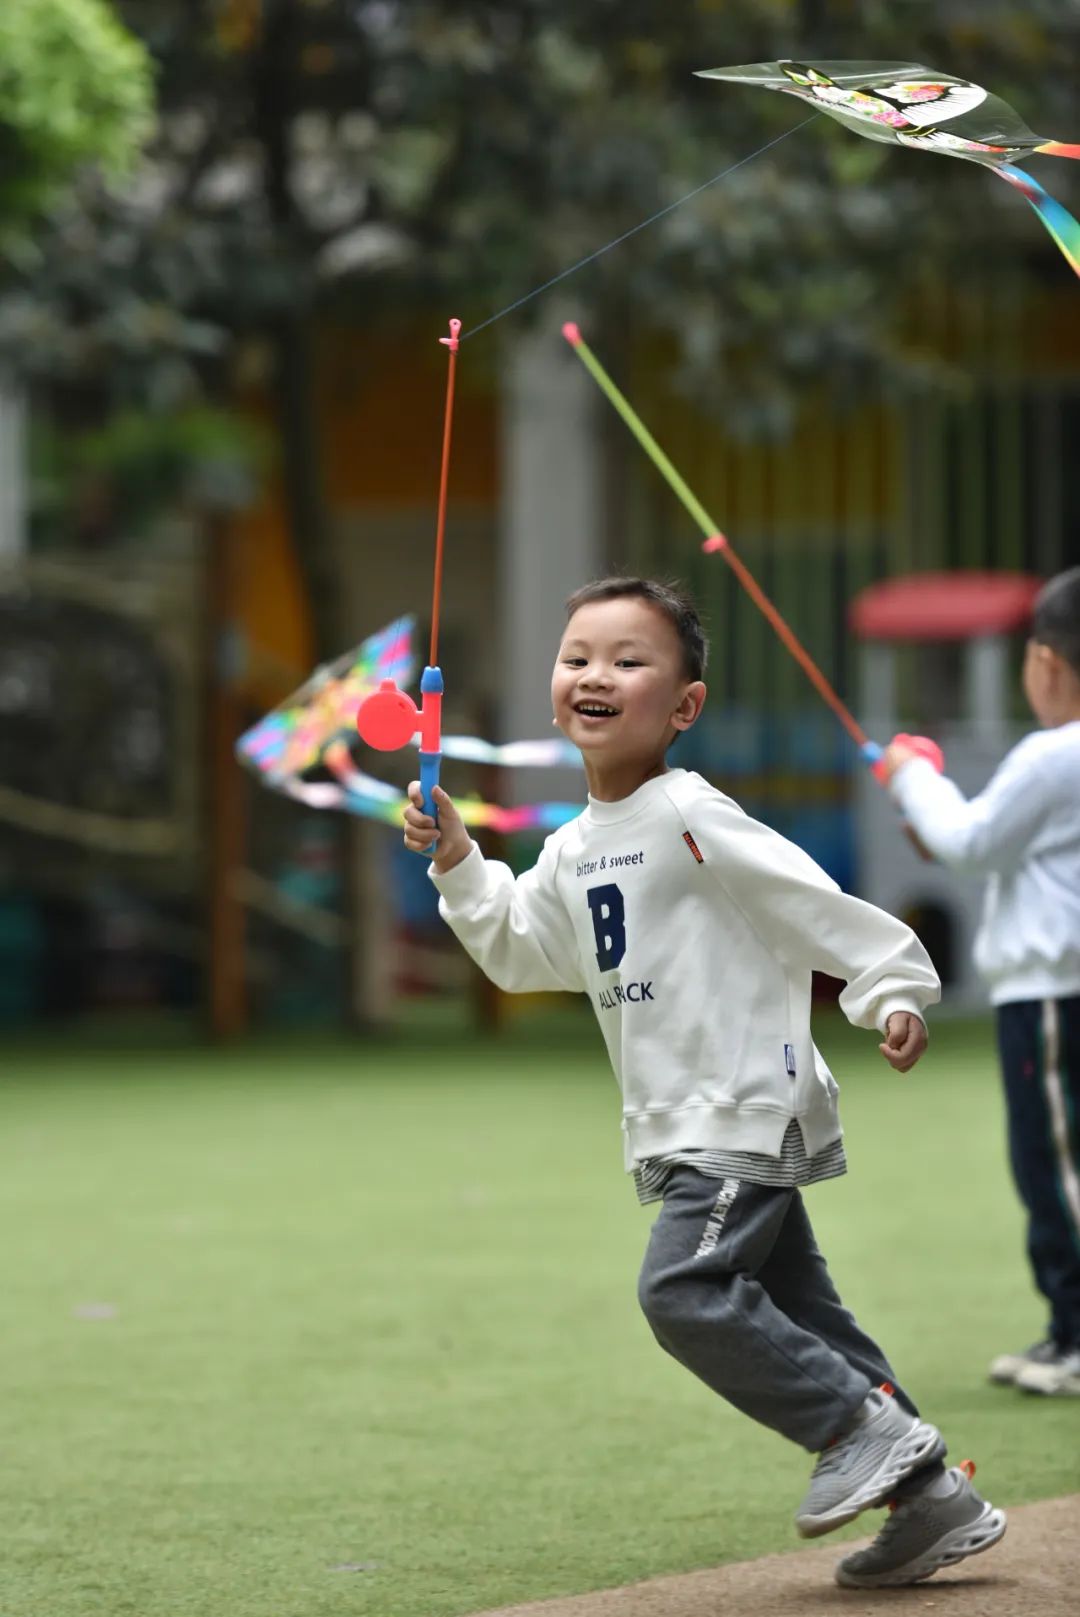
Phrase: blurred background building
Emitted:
{"points": [[220, 422]]}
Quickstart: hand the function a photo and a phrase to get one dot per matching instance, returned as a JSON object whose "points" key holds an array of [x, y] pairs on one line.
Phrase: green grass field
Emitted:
{"points": [[308, 1330]]}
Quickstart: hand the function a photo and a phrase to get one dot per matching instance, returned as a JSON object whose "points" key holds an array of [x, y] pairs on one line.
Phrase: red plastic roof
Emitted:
{"points": [[944, 606]]}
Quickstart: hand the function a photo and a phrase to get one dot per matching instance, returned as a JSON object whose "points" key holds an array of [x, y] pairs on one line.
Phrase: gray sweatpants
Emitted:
{"points": [[735, 1288]]}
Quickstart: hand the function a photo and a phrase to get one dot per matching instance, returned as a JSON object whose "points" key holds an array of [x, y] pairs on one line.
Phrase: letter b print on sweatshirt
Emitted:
{"points": [[609, 924]]}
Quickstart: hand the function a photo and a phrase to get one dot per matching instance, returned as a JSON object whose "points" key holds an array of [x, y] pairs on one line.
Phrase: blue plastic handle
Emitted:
{"points": [[431, 684], [429, 779]]}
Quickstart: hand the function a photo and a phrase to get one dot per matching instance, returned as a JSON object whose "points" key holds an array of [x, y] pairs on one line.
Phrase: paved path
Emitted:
{"points": [[1033, 1572]]}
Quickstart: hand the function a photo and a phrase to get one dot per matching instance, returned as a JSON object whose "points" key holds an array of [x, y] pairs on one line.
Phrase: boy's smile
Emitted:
{"points": [[619, 691]]}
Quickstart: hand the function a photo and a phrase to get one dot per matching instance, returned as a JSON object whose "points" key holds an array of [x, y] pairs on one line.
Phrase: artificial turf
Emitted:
{"points": [[306, 1330]]}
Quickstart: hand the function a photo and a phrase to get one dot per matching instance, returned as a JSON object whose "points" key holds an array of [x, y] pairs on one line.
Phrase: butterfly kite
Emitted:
{"points": [[311, 732], [905, 104]]}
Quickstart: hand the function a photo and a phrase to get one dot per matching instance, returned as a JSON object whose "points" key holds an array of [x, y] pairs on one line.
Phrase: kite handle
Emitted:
{"points": [[429, 779], [431, 686]]}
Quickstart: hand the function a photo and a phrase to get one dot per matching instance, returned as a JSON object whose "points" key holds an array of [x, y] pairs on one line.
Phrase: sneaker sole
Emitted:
{"points": [[1064, 1389], [954, 1546], [920, 1446]]}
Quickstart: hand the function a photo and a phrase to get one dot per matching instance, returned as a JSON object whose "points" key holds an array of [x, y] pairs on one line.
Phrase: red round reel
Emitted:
{"points": [[388, 719]]}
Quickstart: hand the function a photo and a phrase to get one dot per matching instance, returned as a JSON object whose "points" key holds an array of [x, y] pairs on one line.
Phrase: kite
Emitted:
{"points": [[312, 730], [294, 737], [906, 104]]}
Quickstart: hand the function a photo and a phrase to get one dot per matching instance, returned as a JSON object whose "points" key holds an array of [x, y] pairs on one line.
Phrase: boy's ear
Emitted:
{"points": [[1053, 664], [689, 709], [1063, 669]]}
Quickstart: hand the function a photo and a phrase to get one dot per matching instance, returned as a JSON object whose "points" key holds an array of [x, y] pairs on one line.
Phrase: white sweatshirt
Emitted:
{"points": [[1023, 832], [694, 930]]}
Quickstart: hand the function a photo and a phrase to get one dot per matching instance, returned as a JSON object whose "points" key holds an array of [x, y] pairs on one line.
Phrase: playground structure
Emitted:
{"points": [[938, 656]]}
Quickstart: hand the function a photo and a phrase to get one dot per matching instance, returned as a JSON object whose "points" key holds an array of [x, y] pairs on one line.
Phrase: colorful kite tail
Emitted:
{"points": [[1057, 219], [1057, 148]]}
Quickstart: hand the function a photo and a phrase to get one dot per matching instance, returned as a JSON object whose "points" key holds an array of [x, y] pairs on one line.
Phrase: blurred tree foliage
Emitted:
{"points": [[75, 87], [353, 156]]}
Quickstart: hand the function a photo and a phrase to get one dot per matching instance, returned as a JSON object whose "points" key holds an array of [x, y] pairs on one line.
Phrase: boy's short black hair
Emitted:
{"points": [[671, 599], [1055, 621]]}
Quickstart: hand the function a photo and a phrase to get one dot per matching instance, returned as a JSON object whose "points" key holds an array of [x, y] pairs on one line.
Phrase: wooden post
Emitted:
{"points": [[367, 906], [225, 816]]}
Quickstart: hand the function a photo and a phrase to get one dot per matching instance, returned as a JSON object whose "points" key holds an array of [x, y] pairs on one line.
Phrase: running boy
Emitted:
{"points": [[1023, 831], [694, 930]]}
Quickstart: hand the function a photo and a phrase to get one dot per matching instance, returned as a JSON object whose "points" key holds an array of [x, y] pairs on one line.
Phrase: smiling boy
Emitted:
{"points": [[695, 930]]}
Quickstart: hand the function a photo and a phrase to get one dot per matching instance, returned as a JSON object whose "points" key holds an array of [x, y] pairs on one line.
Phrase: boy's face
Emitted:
{"points": [[619, 688]]}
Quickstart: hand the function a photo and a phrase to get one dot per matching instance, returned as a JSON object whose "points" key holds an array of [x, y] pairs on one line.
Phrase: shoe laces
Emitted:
{"points": [[829, 1459], [831, 1456], [894, 1520]]}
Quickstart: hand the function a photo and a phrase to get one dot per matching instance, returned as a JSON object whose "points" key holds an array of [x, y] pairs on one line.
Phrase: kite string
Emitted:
{"points": [[444, 479], [651, 220]]}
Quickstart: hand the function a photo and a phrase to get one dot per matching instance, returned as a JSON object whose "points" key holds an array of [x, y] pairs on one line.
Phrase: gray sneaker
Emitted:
{"points": [[925, 1532], [1007, 1366], [862, 1467]]}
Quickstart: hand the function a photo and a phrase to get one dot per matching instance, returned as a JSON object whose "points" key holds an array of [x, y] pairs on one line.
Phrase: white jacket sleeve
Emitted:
{"points": [[803, 917], [516, 929], [989, 832]]}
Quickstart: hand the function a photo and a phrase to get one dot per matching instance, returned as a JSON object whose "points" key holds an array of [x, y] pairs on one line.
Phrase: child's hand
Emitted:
{"points": [[896, 756], [905, 1040], [451, 840]]}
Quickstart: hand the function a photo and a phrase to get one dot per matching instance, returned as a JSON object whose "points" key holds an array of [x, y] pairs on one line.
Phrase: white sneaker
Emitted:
{"points": [[1007, 1366], [861, 1468], [1055, 1377]]}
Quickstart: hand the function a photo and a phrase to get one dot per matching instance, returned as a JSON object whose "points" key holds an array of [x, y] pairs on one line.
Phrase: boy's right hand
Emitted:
{"points": [[896, 756], [450, 840]]}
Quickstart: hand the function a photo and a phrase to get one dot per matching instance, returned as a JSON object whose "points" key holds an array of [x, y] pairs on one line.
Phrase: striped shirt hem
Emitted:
{"points": [[791, 1168]]}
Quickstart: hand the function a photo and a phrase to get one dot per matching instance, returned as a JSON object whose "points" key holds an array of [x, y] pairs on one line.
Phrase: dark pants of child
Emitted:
{"points": [[735, 1288], [1039, 1044]]}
